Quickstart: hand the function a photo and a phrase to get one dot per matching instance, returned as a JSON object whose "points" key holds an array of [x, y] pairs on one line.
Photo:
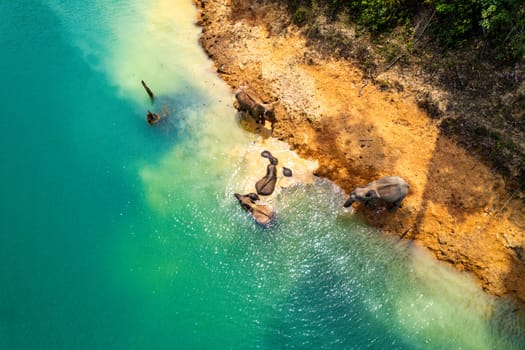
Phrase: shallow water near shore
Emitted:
{"points": [[115, 234]]}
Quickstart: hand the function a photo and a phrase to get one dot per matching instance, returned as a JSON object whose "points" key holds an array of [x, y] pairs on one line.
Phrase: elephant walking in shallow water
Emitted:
{"points": [[263, 214], [266, 185]]}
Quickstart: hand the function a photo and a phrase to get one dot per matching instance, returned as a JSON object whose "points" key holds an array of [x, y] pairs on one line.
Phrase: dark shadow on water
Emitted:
{"points": [[508, 324], [509, 316]]}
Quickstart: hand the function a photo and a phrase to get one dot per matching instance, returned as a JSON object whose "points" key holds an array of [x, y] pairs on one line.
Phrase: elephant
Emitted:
{"points": [[152, 118], [263, 214], [266, 185], [250, 102], [391, 190], [271, 158]]}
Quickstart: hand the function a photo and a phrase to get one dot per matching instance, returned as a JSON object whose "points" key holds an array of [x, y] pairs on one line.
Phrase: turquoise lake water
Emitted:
{"points": [[118, 235]]}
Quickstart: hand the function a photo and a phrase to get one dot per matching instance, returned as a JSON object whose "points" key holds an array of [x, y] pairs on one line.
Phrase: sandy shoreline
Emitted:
{"points": [[457, 208]]}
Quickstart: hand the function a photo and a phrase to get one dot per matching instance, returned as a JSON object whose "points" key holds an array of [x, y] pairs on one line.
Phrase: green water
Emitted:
{"points": [[117, 235]]}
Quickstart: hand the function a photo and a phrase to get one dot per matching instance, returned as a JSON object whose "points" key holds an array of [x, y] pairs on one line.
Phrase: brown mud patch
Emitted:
{"points": [[457, 207]]}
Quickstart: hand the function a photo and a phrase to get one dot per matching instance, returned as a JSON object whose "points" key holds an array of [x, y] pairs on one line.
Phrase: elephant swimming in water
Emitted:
{"points": [[148, 90], [266, 185], [391, 190], [263, 214], [152, 118]]}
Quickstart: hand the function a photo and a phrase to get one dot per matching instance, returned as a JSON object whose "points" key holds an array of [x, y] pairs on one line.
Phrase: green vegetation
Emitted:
{"points": [[500, 22], [301, 15], [379, 15]]}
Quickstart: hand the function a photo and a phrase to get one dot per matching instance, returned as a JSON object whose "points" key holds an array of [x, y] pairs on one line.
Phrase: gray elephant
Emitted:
{"points": [[263, 214], [151, 117], [391, 190], [266, 185], [250, 102], [270, 157]]}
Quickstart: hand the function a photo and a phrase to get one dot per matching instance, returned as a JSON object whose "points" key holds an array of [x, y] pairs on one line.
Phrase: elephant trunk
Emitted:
{"points": [[349, 201]]}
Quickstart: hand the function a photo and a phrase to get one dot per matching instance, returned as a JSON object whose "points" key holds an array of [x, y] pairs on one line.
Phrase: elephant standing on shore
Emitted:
{"points": [[391, 190]]}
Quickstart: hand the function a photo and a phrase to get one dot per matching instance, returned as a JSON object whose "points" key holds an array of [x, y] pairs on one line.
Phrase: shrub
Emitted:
{"points": [[379, 15], [301, 15]]}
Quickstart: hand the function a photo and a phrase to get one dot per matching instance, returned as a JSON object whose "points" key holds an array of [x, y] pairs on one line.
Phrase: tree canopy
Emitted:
{"points": [[499, 22]]}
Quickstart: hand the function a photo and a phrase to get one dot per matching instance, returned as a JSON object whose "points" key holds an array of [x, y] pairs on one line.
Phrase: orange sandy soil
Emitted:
{"points": [[457, 207]]}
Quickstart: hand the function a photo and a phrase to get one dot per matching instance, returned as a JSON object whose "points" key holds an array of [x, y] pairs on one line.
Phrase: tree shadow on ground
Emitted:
{"points": [[478, 100], [456, 183]]}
